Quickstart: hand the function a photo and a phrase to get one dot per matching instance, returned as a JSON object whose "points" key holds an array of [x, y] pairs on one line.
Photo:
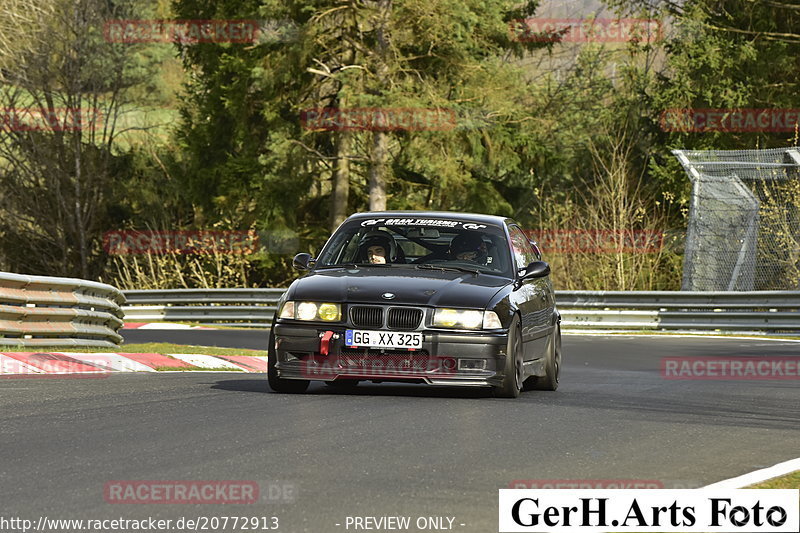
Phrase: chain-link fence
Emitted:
{"points": [[744, 220]]}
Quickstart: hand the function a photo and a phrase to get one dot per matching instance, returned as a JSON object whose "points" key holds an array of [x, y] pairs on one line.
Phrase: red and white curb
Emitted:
{"points": [[40, 363]]}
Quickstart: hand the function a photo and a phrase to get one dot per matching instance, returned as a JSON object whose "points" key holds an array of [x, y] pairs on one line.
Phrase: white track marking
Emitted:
{"points": [[9, 365], [204, 361], [111, 361]]}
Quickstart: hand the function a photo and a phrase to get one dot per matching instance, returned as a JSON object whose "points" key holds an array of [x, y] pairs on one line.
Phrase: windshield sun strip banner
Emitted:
{"points": [[437, 222]]}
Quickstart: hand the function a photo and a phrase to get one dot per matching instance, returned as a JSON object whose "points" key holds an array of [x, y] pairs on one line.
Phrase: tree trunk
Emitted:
{"points": [[341, 181], [79, 223], [380, 141], [377, 171]]}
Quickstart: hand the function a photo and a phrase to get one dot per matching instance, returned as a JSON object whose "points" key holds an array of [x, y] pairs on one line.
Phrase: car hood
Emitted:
{"points": [[410, 287]]}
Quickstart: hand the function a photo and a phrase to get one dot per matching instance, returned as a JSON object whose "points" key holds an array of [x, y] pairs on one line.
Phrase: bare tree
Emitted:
{"points": [[58, 164], [21, 28]]}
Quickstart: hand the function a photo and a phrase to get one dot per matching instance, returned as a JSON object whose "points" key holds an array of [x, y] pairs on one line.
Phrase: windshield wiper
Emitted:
{"points": [[449, 268], [354, 265]]}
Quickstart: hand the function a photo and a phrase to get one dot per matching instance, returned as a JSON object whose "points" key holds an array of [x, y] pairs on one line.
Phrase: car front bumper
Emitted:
{"points": [[451, 358]]}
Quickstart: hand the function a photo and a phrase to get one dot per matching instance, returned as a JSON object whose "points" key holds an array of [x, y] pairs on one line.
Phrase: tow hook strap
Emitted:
{"points": [[325, 343]]}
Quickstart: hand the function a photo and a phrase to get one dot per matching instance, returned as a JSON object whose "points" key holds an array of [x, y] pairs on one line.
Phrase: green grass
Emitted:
{"points": [[184, 369], [165, 348], [789, 481], [158, 347]]}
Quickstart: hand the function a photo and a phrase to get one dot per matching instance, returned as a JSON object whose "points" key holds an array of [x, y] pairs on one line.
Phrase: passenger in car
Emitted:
{"points": [[469, 247]]}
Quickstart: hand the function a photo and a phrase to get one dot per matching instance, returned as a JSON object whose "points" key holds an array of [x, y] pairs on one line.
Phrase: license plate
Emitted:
{"points": [[358, 338]]}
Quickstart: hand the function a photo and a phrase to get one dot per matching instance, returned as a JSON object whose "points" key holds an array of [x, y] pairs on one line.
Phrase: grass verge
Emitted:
{"points": [[184, 369], [789, 481], [159, 347]]}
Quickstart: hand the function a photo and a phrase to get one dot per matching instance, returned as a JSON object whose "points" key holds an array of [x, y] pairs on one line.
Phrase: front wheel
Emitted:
{"points": [[552, 366], [277, 383], [512, 371]]}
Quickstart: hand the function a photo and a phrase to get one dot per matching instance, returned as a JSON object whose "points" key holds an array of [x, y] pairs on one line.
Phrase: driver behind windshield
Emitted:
{"points": [[468, 247], [376, 249]]}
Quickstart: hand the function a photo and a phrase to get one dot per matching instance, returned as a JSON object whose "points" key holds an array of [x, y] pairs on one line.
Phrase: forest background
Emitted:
{"points": [[565, 135]]}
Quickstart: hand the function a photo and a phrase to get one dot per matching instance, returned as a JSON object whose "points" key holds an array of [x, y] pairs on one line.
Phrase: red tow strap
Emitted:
{"points": [[325, 343]]}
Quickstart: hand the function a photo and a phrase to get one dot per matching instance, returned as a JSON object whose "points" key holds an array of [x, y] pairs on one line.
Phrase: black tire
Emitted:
{"points": [[277, 383], [342, 384], [513, 369], [552, 367]]}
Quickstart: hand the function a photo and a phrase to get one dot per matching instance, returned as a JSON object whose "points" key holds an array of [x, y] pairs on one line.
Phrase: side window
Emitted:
{"points": [[350, 250], [523, 252]]}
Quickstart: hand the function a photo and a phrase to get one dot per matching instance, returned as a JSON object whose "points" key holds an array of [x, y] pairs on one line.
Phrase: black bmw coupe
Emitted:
{"points": [[425, 297]]}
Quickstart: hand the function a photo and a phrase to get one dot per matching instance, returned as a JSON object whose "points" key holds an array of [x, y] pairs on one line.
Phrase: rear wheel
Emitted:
{"points": [[277, 383], [552, 366], [512, 378]]}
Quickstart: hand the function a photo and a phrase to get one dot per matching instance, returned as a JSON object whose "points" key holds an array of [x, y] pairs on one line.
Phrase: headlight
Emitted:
{"points": [[466, 319], [326, 312], [306, 311], [447, 318], [329, 312]]}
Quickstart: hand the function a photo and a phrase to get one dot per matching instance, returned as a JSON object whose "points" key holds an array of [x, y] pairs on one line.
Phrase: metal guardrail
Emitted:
{"points": [[758, 311], [223, 307], [762, 311], [48, 311]]}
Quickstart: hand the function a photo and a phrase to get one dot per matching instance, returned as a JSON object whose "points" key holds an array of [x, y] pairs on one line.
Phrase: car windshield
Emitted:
{"points": [[422, 243]]}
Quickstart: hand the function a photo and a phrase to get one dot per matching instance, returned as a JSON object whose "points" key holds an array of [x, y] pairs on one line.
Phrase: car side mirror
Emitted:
{"points": [[537, 269], [303, 261]]}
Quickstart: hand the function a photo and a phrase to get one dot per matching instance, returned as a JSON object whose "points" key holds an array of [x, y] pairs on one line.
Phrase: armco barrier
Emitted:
{"points": [[763, 311], [46, 311], [234, 307], [758, 311]]}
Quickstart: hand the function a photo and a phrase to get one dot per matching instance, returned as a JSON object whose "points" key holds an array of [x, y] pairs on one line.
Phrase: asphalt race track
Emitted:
{"points": [[399, 450], [253, 339]]}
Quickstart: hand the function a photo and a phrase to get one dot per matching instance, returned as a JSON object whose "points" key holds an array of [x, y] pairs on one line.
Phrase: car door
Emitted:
{"points": [[533, 297]]}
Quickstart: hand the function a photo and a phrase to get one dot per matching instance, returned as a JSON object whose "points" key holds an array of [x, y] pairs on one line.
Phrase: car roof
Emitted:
{"points": [[470, 217]]}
